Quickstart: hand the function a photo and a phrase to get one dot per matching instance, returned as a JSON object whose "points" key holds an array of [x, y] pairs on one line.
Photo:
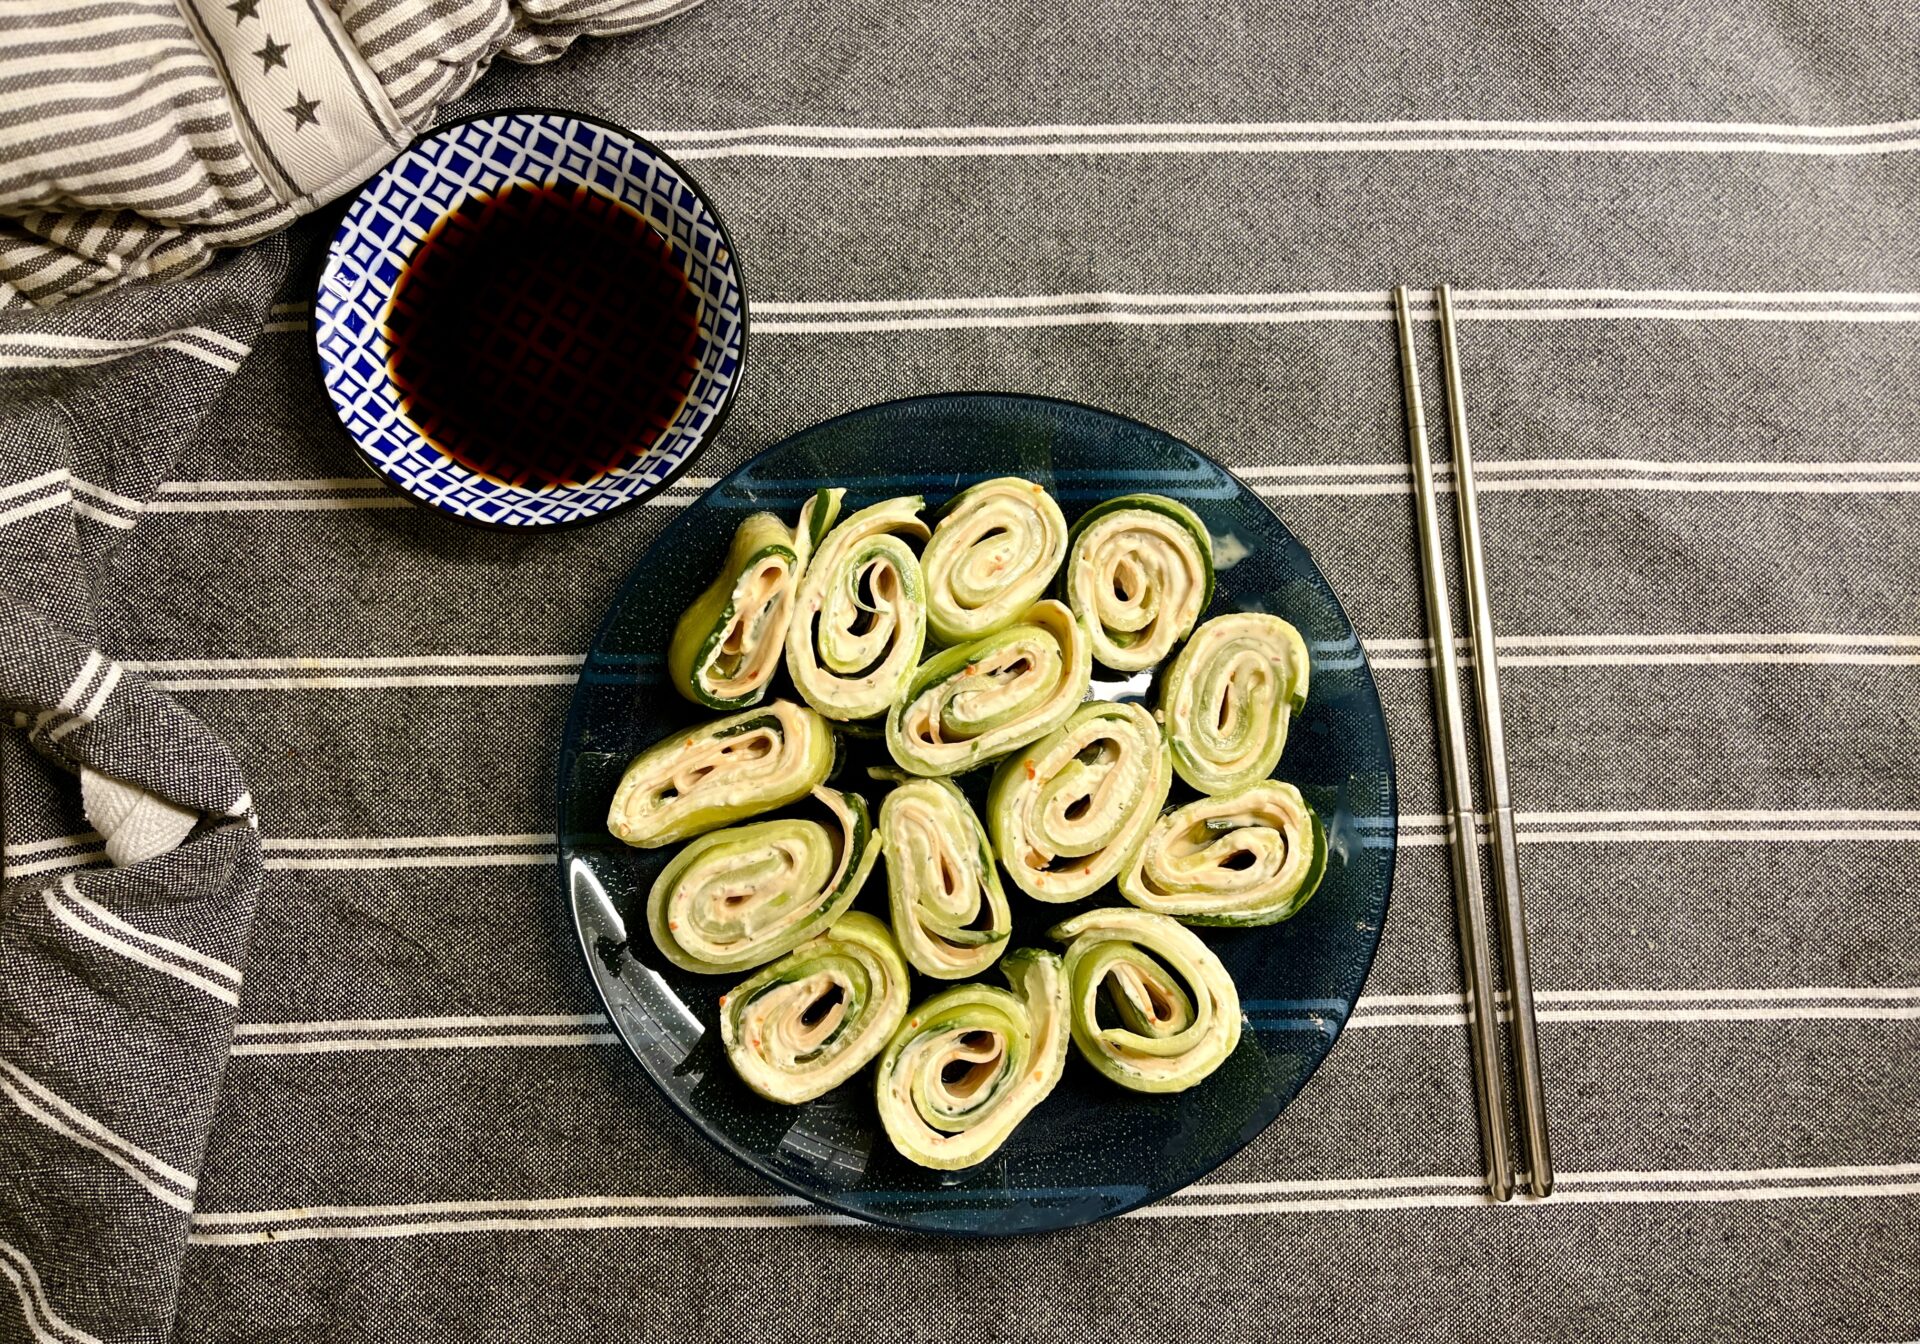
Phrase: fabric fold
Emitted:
{"points": [[118, 986], [140, 137]]}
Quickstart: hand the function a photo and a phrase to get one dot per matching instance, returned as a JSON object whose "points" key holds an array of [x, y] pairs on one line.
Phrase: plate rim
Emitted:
{"points": [[825, 1200]]}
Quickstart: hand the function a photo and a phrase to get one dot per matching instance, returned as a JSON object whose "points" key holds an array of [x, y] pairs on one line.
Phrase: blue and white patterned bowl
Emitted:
{"points": [[480, 156]]}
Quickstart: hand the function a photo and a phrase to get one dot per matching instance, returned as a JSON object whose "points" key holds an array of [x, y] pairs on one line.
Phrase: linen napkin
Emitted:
{"points": [[138, 138]]}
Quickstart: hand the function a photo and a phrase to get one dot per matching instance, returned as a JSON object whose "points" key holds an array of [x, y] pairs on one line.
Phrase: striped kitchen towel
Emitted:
{"points": [[139, 136], [118, 985]]}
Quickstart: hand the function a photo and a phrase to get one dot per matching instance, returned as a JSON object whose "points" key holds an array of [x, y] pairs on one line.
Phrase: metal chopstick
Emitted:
{"points": [[1455, 763], [1511, 909]]}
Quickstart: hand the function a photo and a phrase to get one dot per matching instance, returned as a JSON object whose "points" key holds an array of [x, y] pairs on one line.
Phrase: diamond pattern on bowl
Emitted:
{"points": [[397, 209]]}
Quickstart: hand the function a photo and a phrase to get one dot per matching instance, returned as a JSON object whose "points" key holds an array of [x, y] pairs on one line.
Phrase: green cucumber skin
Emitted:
{"points": [[702, 624], [821, 519], [860, 842]]}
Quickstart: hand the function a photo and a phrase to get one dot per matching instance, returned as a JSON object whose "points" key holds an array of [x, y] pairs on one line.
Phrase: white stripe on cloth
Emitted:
{"points": [[62, 351], [389, 842], [34, 508], [338, 1026], [1371, 302], [1115, 307], [1882, 480], [358, 1045], [178, 950], [126, 503], [82, 679], [47, 1325], [22, 848], [42, 1104], [88, 712], [593, 1213], [73, 918], [58, 863], [1798, 649], [80, 506], [1789, 1003], [27, 487], [1719, 146], [1592, 1016], [1109, 130]]}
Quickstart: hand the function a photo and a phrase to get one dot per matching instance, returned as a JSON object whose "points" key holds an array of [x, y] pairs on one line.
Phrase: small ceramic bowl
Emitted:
{"points": [[480, 156]]}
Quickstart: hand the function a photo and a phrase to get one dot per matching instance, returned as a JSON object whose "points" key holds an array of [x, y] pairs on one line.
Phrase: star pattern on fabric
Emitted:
{"points": [[244, 10], [274, 53], [305, 111]]}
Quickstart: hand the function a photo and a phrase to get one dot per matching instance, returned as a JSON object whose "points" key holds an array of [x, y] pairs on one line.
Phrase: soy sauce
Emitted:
{"points": [[543, 336]]}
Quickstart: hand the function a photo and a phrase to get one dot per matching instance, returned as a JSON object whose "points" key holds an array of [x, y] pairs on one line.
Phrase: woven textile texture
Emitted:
{"points": [[1690, 275]]}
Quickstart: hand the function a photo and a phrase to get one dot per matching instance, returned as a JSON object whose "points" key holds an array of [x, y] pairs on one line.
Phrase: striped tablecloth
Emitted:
{"points": [[1690, 267]]}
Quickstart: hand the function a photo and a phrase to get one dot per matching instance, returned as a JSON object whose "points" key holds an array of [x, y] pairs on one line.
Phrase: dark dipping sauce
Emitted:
{"points": [[543, 336]]}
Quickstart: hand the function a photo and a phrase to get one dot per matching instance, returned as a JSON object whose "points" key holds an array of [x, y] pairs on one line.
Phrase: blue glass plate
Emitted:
{"points": [[1091, 1149]]}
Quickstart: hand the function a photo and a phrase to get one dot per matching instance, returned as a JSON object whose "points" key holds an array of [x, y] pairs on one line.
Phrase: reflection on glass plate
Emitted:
{"points": [[1091, 1149]]}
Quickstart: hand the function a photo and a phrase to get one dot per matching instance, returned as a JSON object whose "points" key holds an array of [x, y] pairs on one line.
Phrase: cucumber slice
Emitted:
{"points": [[949, 910], [860, 617], [817, 1016], [726, 771], [1178, 1010], [1067, 813], [1244, 859], [1229, 697], [727, 645], [972, 1062], [998, 546], [1139, 574], [976, 701], [738, 898]]}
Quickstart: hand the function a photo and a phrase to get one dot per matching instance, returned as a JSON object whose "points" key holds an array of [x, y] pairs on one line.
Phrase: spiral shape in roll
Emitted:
{"points": [[727, 645], [949, 911], [1139, 573], [1067, 813], [973, 702], [696, 779], [970, 1063], [813, 1019], [1242, 859], [1177, 1011], [738, 898], [1227, 700], [997, 547], [860, 617]]}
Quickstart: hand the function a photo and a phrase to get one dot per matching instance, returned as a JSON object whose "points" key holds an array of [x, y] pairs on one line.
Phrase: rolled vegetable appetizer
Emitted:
{"points": [[738, 898], [726, 646], [721, 772], [972, 1061], [943, 889], [860, 619], [975, 701], [1177, 1009], [1139, 573], [1248, 858], [1228, 698], [1067, 813], [814, 1018], [998, 546]]}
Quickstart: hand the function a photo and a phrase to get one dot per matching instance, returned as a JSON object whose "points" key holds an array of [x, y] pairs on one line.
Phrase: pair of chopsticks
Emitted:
{"points": [[1456, 777]]}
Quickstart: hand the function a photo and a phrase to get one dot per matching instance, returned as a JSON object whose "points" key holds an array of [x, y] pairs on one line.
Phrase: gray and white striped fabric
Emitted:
{"points": [[1692, 287], [137, 137]]}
